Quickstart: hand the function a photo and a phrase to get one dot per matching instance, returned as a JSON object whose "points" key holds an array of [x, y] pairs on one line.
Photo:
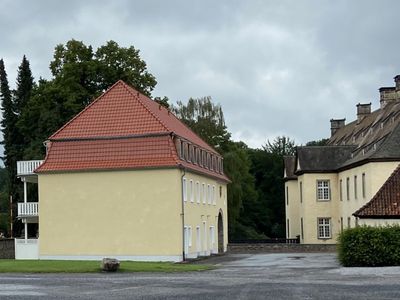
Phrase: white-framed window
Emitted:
{"points": [[191, 193], [363, 184], [198, 238], [287, 195], [190, 236], [324, 228], [198, 192], [184, 189], [212, 237], [348, 189], [301, 192], [203, 193], [341, 189], [205, 248], [323, 190], [208, 194], [214, 196], [355, 187]]}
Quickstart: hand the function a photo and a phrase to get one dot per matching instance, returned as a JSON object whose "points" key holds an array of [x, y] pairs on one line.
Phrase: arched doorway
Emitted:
{"points": [[220, 233]]}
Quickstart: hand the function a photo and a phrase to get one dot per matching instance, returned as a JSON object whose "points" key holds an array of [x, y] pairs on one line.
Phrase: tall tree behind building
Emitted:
{"points": [[207, 120], [79, 76]]}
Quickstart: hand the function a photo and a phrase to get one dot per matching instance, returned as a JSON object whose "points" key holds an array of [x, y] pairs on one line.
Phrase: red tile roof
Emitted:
{"points": [[386, 202], [122, 129], [123, 111]]}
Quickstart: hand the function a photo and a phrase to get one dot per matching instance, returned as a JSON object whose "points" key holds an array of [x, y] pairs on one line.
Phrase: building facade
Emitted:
{"points": [[126, 179], [327, 187]]}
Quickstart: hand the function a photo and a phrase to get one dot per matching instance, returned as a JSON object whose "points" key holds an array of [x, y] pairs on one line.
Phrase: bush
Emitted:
{"points": [[367, 246]]}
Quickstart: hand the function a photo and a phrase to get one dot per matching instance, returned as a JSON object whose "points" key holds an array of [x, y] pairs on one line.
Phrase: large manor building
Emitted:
{"points": [[352, 180]]}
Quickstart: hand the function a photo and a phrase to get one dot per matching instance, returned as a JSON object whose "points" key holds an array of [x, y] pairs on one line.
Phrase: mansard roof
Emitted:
{"points": [[124, 129], [374, 137], [321, 159], [386, 202]]}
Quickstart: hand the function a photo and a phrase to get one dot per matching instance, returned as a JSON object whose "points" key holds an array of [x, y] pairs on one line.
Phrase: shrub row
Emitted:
{"points": [[367, 246]]}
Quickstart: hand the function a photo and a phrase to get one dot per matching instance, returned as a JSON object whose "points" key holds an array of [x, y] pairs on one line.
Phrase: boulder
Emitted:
{"points": [[110, 264]]}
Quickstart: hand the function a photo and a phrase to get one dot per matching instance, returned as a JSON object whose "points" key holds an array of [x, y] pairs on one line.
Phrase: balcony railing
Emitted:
{"points": [[26, 167], [29, 209]]}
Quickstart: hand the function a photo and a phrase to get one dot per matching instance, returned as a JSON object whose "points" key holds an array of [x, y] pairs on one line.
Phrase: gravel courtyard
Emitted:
{"points": [[238, 276]]}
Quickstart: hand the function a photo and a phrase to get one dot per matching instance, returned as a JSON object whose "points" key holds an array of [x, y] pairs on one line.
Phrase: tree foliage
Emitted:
{"points": [[206, 119], [281, 145], [80, 74], [321, 142]]}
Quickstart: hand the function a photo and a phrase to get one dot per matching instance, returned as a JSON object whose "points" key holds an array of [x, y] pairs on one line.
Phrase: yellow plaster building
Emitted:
{"points": [[126, 179], [329, 188]]}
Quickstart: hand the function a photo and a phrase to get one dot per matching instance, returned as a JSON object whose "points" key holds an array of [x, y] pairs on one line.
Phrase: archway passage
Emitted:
{"points": [[220, 233]]}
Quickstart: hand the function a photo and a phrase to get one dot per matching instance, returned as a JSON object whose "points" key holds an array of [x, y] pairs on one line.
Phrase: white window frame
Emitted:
{"points": [[191, 194], [208, 194], [184, 189], [204, 193], [323, 190], [214, 196], [324, 229], [212, 237], [198, 192], [198, 238], [189, 236], [363, 184], [355, 187]]}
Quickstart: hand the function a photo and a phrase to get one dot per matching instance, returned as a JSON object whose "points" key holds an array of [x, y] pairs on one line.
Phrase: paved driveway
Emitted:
{"points": [[259, 276]]}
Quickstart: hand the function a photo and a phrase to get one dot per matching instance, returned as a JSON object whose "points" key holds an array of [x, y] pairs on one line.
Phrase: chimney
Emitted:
{"points": [[363, 110], [387, 94], [336, 124], [397, 82]]}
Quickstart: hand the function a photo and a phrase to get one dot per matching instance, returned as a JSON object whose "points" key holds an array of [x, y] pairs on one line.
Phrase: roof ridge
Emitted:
{"points": [[85, 109], [129, 90]]}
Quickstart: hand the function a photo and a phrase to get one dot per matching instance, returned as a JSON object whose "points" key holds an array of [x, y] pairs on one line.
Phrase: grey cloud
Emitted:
{"points": [[277, 67]]}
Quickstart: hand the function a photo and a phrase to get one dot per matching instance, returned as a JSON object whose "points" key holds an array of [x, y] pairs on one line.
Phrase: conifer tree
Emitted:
{"points": [[21, 97], [8, 128]]}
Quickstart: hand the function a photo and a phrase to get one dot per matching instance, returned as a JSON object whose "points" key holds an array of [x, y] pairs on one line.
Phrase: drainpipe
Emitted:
{"points": [[183, 214]]}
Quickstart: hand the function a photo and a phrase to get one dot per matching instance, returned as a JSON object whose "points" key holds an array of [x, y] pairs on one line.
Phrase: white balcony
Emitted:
{"points": [[28, 209], [26, 248], [26, 167]]}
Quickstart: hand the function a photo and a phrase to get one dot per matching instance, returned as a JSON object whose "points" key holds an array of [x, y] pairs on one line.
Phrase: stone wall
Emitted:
{"points": [[7, 249], [282, 248]]}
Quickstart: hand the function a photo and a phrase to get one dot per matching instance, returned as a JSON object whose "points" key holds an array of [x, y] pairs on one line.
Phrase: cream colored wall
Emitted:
{"points": [[376, 173], [378, 222], [196, 213], [118, 213], [311, 209], [292, 208]]}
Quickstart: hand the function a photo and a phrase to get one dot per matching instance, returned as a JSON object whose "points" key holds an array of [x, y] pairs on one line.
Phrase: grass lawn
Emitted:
{"points": [[75, 266]]}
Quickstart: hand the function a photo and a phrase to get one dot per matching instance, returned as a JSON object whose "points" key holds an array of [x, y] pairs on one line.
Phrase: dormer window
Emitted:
{"points": [[185, 151]]}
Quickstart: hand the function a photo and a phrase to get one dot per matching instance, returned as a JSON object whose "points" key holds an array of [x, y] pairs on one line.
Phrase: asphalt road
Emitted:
{"points": [[258, 276]]}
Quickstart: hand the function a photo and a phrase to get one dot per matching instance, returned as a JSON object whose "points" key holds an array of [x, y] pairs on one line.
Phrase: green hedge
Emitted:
{"points": [[367, 246]]}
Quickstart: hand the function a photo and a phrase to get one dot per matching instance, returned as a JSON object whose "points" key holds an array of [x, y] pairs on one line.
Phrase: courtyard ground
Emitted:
{"points": [[238, 276]]}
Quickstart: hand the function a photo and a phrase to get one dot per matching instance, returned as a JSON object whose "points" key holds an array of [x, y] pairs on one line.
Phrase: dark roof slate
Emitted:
{"points": [[322, 158]]}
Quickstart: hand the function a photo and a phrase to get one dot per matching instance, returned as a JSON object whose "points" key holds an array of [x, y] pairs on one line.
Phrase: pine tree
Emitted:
{"points": [[8, 124], [21, 97]]}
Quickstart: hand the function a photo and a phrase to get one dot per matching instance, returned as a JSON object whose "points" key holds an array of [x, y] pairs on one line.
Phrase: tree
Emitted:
{"points": [[281, 145], [206, 119], [8, 124], [321, 142], [115, 63], [79, 76]]}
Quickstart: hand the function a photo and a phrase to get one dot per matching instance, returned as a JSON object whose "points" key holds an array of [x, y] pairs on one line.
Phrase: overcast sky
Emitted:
{"points": [[276, 67]]}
